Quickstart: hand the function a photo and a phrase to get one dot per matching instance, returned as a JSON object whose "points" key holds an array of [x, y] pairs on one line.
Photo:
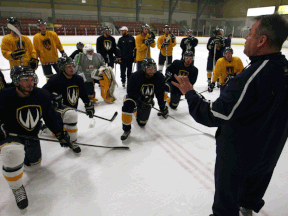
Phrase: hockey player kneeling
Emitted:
{"points": [[23, 106], [107, 81], [141, 88]]}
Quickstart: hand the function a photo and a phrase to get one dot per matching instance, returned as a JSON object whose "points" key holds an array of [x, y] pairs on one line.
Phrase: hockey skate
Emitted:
{"points": [[75, 148], [20, 197], [245, 212], [125, 135]]}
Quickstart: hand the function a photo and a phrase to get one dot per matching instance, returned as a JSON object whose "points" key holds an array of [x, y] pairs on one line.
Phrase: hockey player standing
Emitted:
{"points": [[12, 51], [188, 44], [126, 45], [46, 44], [252, 119], [141, 88], [88, 63], [228, 40], [79, 47], [143, 42], [226, 68], [166, 43], [106, 46], [23, 107], [69, 87], [215, 46], [180, 68]]}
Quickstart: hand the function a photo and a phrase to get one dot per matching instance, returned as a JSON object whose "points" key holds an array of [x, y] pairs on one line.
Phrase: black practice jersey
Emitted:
{"points": [[71, 89], [22, 115], [139, 85], [127, 45], [178, 68], [106, 45], [3, 83]]}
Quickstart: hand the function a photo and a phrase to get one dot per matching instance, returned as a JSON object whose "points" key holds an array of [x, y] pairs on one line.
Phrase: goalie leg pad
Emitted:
{"points": [[108, 84], [12, 158], [70, 120]]}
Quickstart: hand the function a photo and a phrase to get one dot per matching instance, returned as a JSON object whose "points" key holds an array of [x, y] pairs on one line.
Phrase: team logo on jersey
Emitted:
{"points": [[147, 89], [107, 44], [29, 116], [183, 73], [229, 70], [18, 44], [91, 68], [72, 94], [47, 43]]}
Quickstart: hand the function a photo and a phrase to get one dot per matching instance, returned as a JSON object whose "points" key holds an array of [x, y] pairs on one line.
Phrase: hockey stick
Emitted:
{"points": [[52, 140], [14, 29], [112, 119], [147, 50]]}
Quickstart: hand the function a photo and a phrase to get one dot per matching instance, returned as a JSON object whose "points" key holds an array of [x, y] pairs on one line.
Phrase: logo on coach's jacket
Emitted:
{"points": [[18, 44], [107, 44], [47, 43], [147, 89], [183, 73], [229, 70], [72, 94], [29, 116]]}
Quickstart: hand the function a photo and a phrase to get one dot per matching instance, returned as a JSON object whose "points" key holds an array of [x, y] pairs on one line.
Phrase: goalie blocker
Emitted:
{"points": [[107, 81]]}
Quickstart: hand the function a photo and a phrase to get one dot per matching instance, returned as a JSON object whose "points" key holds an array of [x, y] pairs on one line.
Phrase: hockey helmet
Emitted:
{"points": [[87, 47], [79, 44], [228, 49], [18, 71], [63, 61], [166, 27], [189, 30], [147, 63], [105, 29], [216, 31], [145, 25], [14, 21], [188, 53], [40, 22]]}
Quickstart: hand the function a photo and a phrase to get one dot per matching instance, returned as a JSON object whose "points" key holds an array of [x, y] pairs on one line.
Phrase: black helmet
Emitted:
{"points": [[148, 62], [106, 28], [228, 49], [166, 27], [63, 61], [19, 71], [216, 31], [145, 25], [188, 53], [40, 22], [14, 21], [79, 44]]}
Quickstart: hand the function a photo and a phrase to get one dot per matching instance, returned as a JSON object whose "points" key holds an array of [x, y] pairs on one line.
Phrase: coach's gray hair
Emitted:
{"points": [[274, 27]]}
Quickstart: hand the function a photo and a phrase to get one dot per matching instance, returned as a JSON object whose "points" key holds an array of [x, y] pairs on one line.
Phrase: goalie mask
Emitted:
{"points": [[88, 50], [18, 71]]}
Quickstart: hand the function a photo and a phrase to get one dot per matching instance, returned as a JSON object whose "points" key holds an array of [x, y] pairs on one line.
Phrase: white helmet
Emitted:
{"points": [[87, 47]]}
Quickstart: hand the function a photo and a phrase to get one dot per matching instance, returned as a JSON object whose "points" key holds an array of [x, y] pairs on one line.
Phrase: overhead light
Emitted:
{"points": [[260, 11], [112, 2], [83, 1]]}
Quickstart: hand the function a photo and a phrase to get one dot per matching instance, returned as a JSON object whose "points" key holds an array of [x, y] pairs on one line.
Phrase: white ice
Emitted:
{"points": [[168, 171]]}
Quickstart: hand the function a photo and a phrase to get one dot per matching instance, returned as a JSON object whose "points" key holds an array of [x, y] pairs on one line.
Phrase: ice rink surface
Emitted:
{"points": [[168, 171]]}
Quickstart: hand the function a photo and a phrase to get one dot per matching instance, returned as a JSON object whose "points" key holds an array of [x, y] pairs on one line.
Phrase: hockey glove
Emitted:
{"points": [[164, 44], [146, 101], [163, 112], [172, 37], [33, 63], [230, 76], [89, 107], [57, 100], [16, 54], [4, 133], [146, 42], [211, 87], [64, 139], [63, 54]]}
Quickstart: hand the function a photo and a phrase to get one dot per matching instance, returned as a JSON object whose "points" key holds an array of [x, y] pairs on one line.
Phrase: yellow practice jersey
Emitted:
{"points": [[46, 46], [142, 48], [223, 68], [11, 43], [161, 40]]}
